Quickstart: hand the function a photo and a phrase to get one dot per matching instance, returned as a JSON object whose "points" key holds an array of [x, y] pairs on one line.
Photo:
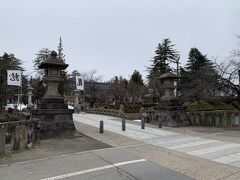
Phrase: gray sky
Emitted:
{"points": [[115, 37]]}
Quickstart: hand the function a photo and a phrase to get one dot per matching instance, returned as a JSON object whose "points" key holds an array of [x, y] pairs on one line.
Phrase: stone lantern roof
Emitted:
{"points": [[168, 75], [53, 62]]}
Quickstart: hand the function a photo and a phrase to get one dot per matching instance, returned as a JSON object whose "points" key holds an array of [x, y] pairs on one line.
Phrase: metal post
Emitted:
{"points": [[2, 139], [142, 123], [101, 127], [123, 124]]}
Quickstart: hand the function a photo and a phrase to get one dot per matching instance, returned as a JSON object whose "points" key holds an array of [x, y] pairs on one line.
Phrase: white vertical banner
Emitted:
{"points": [[79, 83], [14, 77]]}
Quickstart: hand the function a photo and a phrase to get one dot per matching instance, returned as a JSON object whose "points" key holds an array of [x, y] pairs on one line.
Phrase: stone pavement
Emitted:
{"points": [[196, 154]]}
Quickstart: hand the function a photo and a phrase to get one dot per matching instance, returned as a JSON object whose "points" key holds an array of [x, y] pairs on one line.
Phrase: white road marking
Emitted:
{"points": [[94, 169], [70, 154]]}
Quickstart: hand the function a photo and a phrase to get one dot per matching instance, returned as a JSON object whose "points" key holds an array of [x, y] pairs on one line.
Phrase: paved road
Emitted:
{"points": [[105, 164], [227, 153]]}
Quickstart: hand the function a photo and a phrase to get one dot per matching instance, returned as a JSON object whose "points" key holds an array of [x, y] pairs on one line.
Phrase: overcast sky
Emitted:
{"points": [[115, 37]]}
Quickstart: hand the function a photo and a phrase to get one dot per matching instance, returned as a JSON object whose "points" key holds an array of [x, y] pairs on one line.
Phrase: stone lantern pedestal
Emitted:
{"points": [[76, 101], [55, 117], [170, 110], [29, 105]]}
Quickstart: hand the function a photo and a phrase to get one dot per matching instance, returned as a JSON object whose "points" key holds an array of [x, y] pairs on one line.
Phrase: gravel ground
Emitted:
{"points": [[54, 147]]}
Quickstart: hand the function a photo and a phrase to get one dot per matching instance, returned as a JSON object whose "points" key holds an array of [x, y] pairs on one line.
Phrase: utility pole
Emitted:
{"points": [[177, 62]]}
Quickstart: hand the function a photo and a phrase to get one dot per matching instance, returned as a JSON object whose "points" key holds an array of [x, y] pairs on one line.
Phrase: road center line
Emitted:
{"points": [[94, 169]]}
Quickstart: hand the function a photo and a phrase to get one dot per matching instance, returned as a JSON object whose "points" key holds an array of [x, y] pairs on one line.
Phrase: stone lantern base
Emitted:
{"points": [[172, 116], [55, 118]]}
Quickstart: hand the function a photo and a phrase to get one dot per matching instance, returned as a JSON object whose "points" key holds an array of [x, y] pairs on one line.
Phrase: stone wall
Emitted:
{"points": [[18, 134], [215, 118]]}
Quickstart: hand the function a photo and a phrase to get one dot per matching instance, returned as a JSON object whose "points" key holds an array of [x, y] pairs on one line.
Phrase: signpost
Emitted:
{"points": [[80, 86], [79, 83], [14, 78]]}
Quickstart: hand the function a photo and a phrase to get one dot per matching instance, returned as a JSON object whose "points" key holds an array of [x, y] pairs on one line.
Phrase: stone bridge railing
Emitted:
{"points": [[109, 112], [221, 118], [17, 134]]}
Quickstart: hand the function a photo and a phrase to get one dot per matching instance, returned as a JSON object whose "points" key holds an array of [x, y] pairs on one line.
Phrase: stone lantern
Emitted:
{"points": [[170, 110], [169, 98], [76, 101], [53, 76], [29, 88], [55, 117]]}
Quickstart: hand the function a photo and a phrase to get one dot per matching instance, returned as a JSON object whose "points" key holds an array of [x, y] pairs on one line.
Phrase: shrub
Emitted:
{"points": [[208, 106]]}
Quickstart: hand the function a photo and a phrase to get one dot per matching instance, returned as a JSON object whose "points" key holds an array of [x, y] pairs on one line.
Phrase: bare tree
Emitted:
{"points": [[91, 78], [228, 72], [118, 89], [228, 75]]}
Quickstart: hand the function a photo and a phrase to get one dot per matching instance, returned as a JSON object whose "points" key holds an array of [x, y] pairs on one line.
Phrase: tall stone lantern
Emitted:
{"points": [[29, 88], [168, 79], [53, 68], [55, 117], [170, 110], [53, 74]]}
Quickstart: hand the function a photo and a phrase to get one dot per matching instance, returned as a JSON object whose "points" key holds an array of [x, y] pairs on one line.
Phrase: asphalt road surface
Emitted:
{"points": [[105, 164]]}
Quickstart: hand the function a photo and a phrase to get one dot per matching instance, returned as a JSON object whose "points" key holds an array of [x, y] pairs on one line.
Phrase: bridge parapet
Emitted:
{"points": [[109, 112]]}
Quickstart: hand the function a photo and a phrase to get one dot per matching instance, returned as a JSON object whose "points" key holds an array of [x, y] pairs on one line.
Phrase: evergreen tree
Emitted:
{"points": [[165, 54], [199, 78], [197, 61], [42, 56], [60, 49], [136, 78], [136, 86]]}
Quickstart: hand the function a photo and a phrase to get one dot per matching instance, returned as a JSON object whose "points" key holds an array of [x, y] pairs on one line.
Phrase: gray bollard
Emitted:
{"points": [[101, 127], [123, 124], [142, 123], [159, 122], [2, 139]]}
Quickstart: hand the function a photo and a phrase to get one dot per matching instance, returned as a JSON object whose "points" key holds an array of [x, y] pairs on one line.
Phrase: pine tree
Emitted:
{"points": [[60, 49], [42, 56], [165, 54], [197, 61], [136, 78], [199, 78], [136, 86]]}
